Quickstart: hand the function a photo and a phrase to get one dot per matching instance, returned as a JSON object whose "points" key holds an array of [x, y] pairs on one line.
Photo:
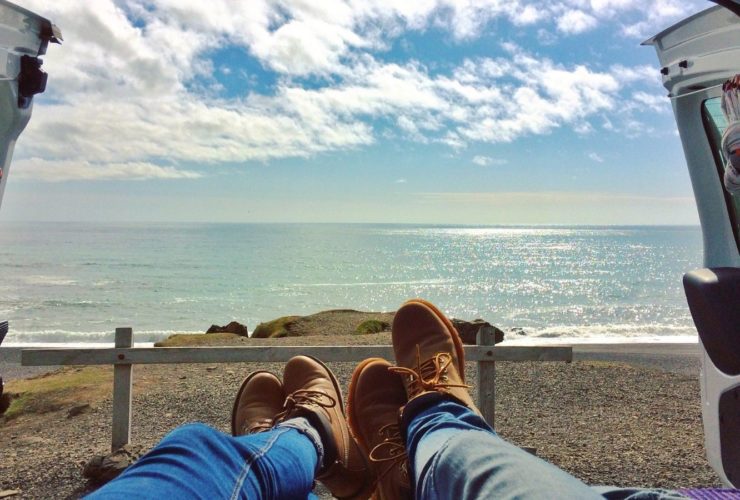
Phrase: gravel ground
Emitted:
{"points": [[605, 422]]}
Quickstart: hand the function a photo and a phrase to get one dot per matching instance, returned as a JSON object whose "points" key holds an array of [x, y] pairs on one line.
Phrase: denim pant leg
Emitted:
{"points": [[196, 461], [454, 454]]}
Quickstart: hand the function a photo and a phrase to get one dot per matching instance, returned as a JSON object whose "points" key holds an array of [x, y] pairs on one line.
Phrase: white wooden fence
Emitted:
{"points": [[124, 355]]}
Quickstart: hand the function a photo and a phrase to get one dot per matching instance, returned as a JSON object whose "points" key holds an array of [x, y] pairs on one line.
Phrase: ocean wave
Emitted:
{"points": [[623, 330], [72, 303], [375, 283], [104, 283], [647, 339], [49, 280], [628, 332], [53, 336], [187, 300]]}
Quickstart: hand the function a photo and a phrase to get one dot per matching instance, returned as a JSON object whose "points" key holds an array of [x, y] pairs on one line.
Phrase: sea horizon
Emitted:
{"points": [[351, 223]]}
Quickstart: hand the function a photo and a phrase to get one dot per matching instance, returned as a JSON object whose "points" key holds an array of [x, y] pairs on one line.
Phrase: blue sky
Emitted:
{"points": [[442, 111]]}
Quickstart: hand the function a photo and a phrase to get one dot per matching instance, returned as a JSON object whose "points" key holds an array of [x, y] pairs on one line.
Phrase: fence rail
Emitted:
{"points": [[123, 356]]}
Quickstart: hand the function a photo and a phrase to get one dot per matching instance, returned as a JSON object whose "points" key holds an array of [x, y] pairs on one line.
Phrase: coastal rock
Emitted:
{"points": [[234, 327], [328, 323], [4, 402], [372, 326], [469, 329], [78, 410], [275, 329], [102, 468]]}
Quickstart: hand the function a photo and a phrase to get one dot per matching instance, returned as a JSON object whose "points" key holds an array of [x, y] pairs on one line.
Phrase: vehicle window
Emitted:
{"points": [[715, 125]]}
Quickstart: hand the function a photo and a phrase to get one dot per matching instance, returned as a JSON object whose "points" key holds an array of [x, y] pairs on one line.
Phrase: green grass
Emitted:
{"points": [[200, 339], [60, 389], [274, 329], [371, 326]]}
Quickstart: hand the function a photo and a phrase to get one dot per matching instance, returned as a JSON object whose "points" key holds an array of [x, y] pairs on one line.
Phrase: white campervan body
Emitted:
{"points": [[697, 56], [24, 37]]}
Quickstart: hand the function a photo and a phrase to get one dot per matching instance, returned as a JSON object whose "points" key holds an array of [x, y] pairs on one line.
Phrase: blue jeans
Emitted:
{"points": [[196, 461], [452, 452]]}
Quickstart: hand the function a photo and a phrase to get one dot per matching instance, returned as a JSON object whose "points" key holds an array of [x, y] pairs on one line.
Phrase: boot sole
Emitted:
{"points": [[452, 330], [239, 396]]}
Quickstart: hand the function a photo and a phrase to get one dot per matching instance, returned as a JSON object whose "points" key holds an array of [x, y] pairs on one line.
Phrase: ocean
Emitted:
{"points": [[76, 282]]}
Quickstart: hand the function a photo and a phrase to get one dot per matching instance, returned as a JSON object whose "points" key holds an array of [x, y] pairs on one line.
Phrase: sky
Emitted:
{"points": [[431, 111]]}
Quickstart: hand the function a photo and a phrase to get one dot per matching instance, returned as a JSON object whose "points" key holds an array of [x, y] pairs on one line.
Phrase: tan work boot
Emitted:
{"points": [[375, 398], [313, 392], [259, 400], [429, 353]]}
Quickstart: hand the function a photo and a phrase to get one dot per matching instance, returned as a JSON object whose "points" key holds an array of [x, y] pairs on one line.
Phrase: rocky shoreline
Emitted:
{"points": [[331, 323]]}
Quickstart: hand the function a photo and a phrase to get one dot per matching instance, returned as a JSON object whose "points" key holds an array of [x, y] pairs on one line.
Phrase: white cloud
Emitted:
{"points": [[134, 84], [544, 198], [583, 128], [400, 181], [549, 95], [654, 102], [545, 37], [658, 15], [66, 170], [636, 128], [298, 37], [485, 161], [643, 18], [596, 157], [181, 126], [642, 73], [573, 22]]}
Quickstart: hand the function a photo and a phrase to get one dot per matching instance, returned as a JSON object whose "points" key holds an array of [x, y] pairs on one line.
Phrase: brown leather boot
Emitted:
{"points": [[429, 353], [313, 392], [259, 400], [373, 404]]}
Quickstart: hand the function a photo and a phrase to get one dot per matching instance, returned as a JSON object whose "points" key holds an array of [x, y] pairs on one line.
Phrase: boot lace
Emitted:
{"points": [[258, 426], [304, 397], [431, 375], [390, 451]]}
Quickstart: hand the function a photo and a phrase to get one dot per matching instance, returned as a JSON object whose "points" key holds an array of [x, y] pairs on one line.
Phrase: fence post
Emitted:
{"points": [[122, 393], [487, 376]]}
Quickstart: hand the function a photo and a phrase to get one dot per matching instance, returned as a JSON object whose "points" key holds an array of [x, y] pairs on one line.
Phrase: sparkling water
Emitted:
{"points": [[76, 282]]}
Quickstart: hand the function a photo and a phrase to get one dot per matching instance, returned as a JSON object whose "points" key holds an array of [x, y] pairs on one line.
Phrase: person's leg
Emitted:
{"points": [[615, 493], [452, 449], [285, 435], [196, 461]]}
